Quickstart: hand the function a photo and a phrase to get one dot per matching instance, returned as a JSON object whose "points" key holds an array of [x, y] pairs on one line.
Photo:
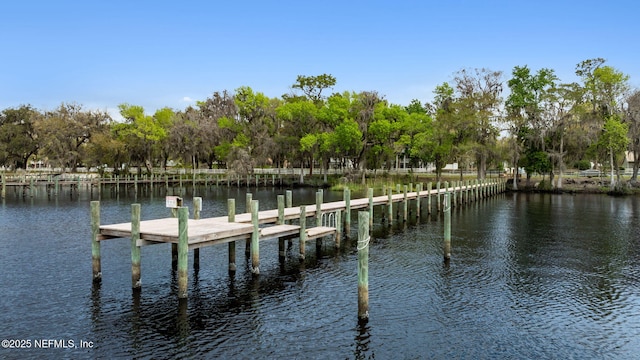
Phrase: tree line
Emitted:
{"points": [[540, 124]]}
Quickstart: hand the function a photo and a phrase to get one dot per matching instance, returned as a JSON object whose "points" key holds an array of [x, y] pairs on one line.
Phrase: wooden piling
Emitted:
{"points": [[95, 244], [363, 266], [418, 190], [288, 202], [475, 190], [438, 197], [338, 228], [281, 249], [183, 251], [288, 197], [370, 195], [247, 209], [197, 207], [390, 207], [174, 246], [346, 195], [466, 191], [405, 205], [3, 193], [303, 231], [454, 193], [319, 208], [135, 249], [429, 188], [447, 227], [280, 210], [231, 209], [255, 237]]}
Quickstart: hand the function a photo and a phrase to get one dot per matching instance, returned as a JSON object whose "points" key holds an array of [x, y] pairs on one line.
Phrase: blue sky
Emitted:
{"points": [[170, 53]]}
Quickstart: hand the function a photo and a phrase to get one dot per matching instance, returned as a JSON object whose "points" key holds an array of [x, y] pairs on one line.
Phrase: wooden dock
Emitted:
{"points": [[53, 184], [191, 234]]}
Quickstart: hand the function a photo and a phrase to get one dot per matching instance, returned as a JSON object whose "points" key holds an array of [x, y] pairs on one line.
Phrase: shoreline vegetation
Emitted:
{"points": [[571, 184], [531, 123]]}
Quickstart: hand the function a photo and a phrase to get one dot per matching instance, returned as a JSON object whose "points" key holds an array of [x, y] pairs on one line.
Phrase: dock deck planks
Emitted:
{"points": [[218, 229]]}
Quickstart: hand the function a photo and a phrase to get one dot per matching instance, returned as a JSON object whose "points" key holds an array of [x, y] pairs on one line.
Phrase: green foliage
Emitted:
{"points": [[312, 86], [582, 165], [131, 112], [241, 141], [338, 107], [144, 135], [300, 118], [476, 107], [381, 130], [18, 141], [614, 135], [346, 138], [252, 106], [64, 133], [415, 107], [223, 150], [536, 161], [229, 123], [105, 149], [545, 185], [308, 142], [546, 120]]}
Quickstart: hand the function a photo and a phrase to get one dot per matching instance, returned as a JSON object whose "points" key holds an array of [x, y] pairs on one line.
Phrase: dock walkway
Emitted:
{"points": [[191, 234]]}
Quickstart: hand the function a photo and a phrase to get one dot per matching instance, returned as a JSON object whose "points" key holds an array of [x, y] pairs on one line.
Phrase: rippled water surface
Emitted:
{"points": [[531, 276]]}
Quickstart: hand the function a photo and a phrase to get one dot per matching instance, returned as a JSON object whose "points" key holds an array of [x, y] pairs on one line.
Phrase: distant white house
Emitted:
{"points": [[628, 162]]}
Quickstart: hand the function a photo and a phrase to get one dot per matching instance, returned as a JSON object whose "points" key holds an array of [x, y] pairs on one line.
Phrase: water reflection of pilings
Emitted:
{"points": [[136, 323], [95, 300], [182, 322], [362, 340]]}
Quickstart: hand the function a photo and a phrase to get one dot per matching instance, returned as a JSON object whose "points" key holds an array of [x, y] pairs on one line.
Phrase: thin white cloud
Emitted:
{"points": [[115, 114], [188, 99]]}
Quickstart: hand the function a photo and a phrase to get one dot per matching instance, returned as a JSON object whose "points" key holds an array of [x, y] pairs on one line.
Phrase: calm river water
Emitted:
{"points": [[531, 276]]}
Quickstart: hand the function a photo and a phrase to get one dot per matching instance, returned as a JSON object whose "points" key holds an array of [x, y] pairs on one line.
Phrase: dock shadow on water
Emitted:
{"points": [[530, 276]]}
